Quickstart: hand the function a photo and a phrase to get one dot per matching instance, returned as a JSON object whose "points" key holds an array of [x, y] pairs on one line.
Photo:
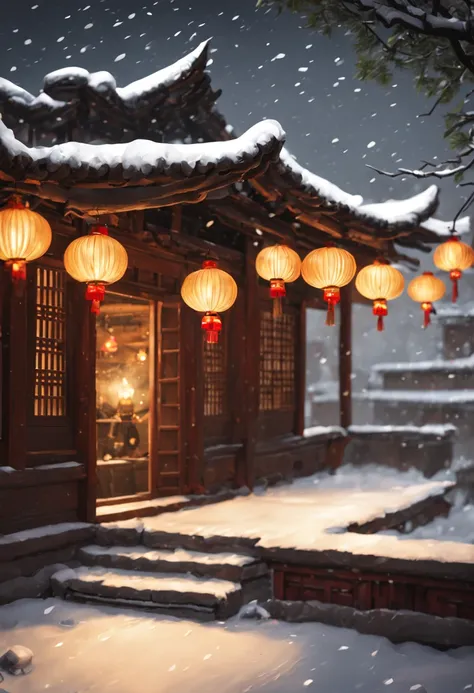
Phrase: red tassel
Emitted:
{"points": [[96, 294], [455, 275], [211, 323], [332, 296], [380, 310], [18, 274], [427, 309], [277, 292]]}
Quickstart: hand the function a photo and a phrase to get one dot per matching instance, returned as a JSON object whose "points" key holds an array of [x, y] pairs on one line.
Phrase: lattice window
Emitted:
{"points": [[214, 363], [277, 362], [50, 344]]}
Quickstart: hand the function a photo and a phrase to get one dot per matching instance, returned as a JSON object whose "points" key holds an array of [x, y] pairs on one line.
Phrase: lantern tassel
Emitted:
{"points": [[427, 309], [332, 296], [277, 293], [95, 293], [380, 310], [211, 323], [455, 276]]}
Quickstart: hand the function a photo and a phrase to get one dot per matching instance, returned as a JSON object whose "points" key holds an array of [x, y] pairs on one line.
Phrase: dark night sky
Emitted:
{"points": [[330, 118]]}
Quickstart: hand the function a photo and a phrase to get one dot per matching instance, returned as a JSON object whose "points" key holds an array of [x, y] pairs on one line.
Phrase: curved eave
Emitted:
{"points": [[138, 175]]}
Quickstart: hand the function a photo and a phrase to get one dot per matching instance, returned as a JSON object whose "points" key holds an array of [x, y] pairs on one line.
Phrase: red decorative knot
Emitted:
{"points": [[427, 309], [277, 293], [95, 292], [277, 288], [455, 275], [211, 323], [332, 296], [18, 270], [209, 264], [99, 230], [380, 310]]}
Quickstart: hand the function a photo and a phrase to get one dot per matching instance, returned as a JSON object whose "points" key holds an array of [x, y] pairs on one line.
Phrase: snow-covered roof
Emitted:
{"points": [[193, 169], [63, 89], [182, 93], [461, 364]]}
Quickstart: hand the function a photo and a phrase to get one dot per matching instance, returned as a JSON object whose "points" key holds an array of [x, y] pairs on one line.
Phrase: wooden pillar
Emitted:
{"points": [[193, 400], [251, 371], [345, 358], [85, 394], [16, 393], [300, 370]]}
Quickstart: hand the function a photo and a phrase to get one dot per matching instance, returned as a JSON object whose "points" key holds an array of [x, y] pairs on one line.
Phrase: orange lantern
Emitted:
{"points": [[210, 291], [454, 257], [279, 265], [380, 282], [96, 260], [425, 290], [24, 236], [329, 269]]}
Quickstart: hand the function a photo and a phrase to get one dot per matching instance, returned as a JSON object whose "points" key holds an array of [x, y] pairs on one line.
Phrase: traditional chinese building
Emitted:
{"points": [[134, 405]]}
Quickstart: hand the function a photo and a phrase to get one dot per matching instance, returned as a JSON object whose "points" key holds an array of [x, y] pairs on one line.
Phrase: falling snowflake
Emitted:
{"points": [[302, 69], [279, 56], [119, 57], [370, 145], [89, 26]]}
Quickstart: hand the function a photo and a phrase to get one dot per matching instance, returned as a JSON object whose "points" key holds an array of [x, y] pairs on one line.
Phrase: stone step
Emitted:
{"points": [[223, 566], [159, 539], [171, 594]]}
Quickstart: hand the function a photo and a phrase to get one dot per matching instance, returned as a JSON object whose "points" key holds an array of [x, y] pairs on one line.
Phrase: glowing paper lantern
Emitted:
{"points": [[210, 291], [380, 282], [24, 236], [425, 290], [96, 260], [454, 257], [279, 265], [329, 269]]}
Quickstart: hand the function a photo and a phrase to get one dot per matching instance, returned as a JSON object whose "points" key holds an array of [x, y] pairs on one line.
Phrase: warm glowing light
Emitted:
{"points": [[125, 391], [96, 260], [380, 282], [142, 355], [279, 265], [425, 290], [329, 269], [210, 291], [110, 345], [454, 257], [24, 236]]}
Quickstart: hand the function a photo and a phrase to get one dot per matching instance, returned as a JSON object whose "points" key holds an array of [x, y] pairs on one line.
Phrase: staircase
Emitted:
{"points": [[432, 392], [164, 573]]}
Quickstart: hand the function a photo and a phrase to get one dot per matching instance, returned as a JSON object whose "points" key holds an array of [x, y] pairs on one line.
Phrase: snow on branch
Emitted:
{"points": [[423, 173], [417, 20]]}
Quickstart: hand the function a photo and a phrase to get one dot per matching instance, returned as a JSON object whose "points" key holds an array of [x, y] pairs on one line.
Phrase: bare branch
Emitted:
{"points": [[420, 173]]}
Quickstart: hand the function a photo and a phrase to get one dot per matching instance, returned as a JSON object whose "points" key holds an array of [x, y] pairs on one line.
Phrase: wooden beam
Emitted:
{"points": [[16, 394], [345, 358]]}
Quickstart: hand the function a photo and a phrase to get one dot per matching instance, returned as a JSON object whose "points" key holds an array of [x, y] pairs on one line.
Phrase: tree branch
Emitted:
{"points": [[420, 173]]}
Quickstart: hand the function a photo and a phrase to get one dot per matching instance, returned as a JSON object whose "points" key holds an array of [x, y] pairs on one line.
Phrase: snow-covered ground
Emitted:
{"points": [[458, 526], [83, 649]]}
